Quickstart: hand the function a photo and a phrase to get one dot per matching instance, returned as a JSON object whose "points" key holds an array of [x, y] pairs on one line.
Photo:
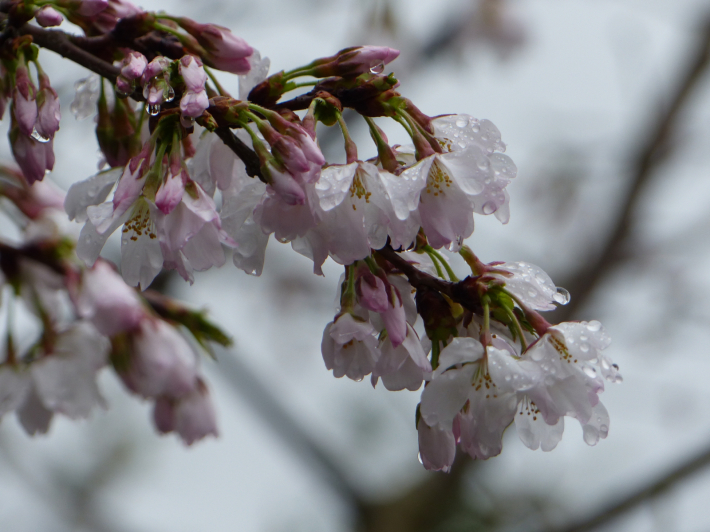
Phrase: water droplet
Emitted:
{"points": [[583, 338], [475, 129], [121, 93], [462, 122], [419, 457], [591, 435], [39, 138], [153, 110], [455, 246], [507, 378], [584, 348], [594, 325], [562, 296], [489, 207], [603, 431], [170, 96], [590, 371], [532, 293], [379, 68]]}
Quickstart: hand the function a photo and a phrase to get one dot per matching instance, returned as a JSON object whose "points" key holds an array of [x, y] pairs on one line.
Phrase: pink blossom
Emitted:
{"points": [[437, 447], [349, 347], [66, 380], [47, 17], [404, 365]]}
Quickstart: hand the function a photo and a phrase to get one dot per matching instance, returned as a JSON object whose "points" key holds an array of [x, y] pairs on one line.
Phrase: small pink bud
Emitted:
{"points": [[124, 85], [284, 184], [193, 73], [90, 8], [193, 104], [24, 103], [156, 66], [170, 192], [225, 50], [134, 64], [47, 17]]}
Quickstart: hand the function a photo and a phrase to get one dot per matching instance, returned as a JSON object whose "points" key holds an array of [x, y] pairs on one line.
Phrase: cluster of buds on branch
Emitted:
{"points": [[194, 175]]}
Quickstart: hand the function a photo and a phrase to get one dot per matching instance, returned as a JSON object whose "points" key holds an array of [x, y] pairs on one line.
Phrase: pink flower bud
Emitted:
{"points": [[107, 301], [225, 50], [193, 73], [47, 16], [162, 362], [170, 192], [89, 8], [34, 158], [24, 103], [134, 64], [284, 184], [124, 85], [288, 153], [372, 292], [156, 66], [193, 104], [356, 60], [48, 115], [194, 416]]}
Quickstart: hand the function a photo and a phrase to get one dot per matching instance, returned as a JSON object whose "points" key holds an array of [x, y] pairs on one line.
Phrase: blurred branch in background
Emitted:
{"points": [[617, 248], [660, 486]]}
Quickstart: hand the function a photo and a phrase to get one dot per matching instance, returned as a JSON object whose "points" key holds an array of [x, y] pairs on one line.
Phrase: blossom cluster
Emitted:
{"points": [[89, 318], [191, 175]]}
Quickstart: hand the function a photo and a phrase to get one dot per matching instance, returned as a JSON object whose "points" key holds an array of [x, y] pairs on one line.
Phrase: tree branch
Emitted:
{"points": [[651, 153]]}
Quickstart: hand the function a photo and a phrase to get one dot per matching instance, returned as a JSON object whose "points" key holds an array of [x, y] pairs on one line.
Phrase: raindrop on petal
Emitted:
{"points": [[379, 68], [170, 96], [39, 138], [562, 296]]}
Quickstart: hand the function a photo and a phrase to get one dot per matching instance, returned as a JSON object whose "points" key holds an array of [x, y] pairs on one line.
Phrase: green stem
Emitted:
{"points": [[435, 261], [444, 263], [518, 328], [435, 351], [293, 86], [350, 146], [217, 85]]}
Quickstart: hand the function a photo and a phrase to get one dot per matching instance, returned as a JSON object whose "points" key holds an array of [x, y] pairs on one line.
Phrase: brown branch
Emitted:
{"points": [[246, 154], [649, 156], [632, 501], [59, 42]]}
